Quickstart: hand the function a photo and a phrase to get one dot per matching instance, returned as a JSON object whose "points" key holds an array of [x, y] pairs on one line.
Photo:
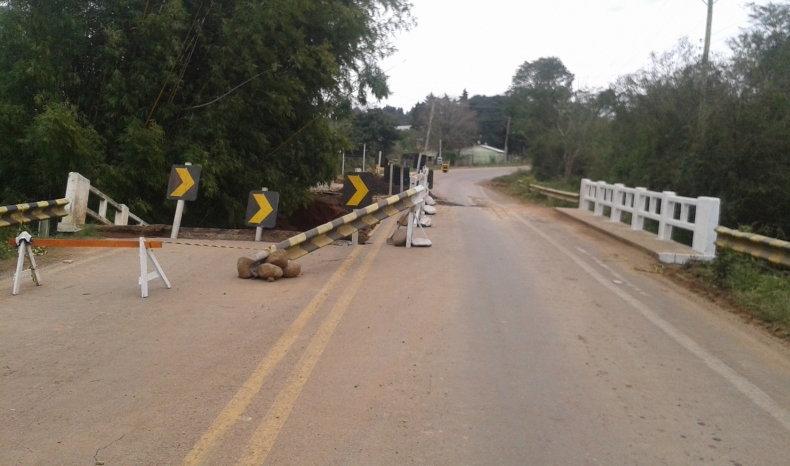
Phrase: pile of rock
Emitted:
{"points": [[276, 266]]}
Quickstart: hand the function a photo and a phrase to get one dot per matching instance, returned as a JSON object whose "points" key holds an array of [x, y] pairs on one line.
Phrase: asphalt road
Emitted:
{"points": [[519, 338]]}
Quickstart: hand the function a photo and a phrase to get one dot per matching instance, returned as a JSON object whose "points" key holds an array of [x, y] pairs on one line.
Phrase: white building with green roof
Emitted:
{"points": [[481, 154]]}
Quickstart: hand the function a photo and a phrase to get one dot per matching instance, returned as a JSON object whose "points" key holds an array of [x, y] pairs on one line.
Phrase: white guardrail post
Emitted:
{"points": [[617, 202], [78, 190], [706, 221], [640, 205], [600, 197], [583, 193], [122, 216], [667, 213]]}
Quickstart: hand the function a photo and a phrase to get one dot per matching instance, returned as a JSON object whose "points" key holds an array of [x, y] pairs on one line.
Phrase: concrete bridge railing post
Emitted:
{"points": [[78, 190], [618, 202], [667, 213], [707, 218], [600, 197], [640, 205]]}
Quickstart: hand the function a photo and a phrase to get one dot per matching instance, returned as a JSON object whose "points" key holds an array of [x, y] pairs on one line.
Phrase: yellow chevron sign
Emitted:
{"points": [[262, 209], [356, 190], [186, 182], [362, 190], [183, 185]]}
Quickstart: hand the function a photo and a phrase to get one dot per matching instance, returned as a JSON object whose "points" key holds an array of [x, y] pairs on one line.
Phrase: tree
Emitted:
{"points": [[539, 92], [453, 122], [491, 118], [398, 114], [376, 129], [254, 92], [576, 118]]}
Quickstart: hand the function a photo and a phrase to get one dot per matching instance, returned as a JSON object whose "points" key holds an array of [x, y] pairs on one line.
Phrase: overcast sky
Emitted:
{"points": [[478, 45]]}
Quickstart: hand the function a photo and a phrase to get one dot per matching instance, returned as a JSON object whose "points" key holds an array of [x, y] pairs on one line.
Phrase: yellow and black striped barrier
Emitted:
{"points": [[32, 212], [773, 250], [343, 227]]}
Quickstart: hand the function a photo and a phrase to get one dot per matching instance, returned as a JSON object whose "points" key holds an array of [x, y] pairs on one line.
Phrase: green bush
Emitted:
{"points": [[755, 285], [6, 250]]}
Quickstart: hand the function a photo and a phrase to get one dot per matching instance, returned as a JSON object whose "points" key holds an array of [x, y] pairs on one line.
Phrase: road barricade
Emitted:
{"points": [[417, 215], [32, 212], [24, 242], [343, 227]]}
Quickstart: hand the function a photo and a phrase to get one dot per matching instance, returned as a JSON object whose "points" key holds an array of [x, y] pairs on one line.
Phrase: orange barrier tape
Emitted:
{"points": [[89, 243]]}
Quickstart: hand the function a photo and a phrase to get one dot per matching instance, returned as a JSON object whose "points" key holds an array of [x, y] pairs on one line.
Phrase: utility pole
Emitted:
{"points": [[704, 111], [706, 52], [507, 135], [430, 122]]}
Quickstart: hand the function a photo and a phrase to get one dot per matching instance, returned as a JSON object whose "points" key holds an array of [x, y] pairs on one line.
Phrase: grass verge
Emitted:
{"points": [[751, 285], [517, 185]]}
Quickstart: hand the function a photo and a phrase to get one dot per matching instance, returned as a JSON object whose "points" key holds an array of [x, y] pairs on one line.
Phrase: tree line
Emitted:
{"points": [[272, 93], [256, 93], [719, 128]]}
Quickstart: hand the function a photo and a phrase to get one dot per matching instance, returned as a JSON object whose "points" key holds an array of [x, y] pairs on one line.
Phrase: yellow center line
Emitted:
{"points": [[267, 432], [236, 407]]}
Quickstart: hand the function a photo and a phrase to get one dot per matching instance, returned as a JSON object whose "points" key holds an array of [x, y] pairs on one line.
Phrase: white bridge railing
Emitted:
{"points": [[700, 215], [78, 192]]}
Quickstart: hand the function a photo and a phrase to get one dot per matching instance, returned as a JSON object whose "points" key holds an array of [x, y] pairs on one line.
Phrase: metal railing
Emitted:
{"points": [[773, 250], [555, 193]]}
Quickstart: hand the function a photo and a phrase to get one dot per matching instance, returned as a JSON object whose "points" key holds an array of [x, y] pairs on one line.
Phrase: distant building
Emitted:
{"points": [[403, 128], [481, 154]]}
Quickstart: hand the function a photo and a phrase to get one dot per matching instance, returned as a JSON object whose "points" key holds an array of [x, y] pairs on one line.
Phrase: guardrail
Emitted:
{"points": [[32, 212], [773, 250], [78, 192], [343, 227], [555, 193], [700, 215]]}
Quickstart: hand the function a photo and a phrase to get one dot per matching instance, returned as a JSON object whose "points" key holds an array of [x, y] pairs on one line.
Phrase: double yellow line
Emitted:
{"points": [[267, 432]]}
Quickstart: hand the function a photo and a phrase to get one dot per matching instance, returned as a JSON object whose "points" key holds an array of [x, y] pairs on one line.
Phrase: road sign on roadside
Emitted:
{"points": [[262, 209], [184, 181], [356, 190]]}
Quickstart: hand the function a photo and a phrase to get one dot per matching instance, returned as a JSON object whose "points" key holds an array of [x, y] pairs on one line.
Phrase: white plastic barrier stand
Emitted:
{"points": [[23, 245], [146, 277]]}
